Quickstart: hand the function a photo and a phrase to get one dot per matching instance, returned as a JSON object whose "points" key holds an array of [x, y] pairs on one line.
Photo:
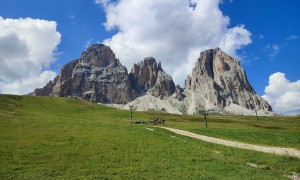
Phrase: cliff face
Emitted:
{"points": [[65, 75], [217, 82], [220, 80], [46, 90], [148, 76], [96, 76]]}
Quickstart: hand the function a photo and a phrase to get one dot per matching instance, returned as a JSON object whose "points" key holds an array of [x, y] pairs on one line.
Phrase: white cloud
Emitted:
{"points": [[283, 95], [273, 50], [102, 2], [292, 37], [174, 32], [26, 85], [260, 37], [88, 43], [72, 18], [27, 48]]}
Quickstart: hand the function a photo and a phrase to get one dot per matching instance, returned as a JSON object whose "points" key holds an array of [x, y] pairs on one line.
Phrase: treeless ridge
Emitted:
{"points": [[272, 150]]}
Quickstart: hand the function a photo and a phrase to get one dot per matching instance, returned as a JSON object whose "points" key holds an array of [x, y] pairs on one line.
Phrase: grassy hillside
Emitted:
{"points": [[53, 138]]}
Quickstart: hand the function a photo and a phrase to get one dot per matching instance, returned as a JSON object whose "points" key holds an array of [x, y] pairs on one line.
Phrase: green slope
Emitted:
{"points": [[63, 138]]}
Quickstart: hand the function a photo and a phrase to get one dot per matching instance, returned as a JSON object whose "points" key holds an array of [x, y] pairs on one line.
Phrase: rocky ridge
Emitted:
{"points": [[218, 83], [148, 76], [99, 77]]}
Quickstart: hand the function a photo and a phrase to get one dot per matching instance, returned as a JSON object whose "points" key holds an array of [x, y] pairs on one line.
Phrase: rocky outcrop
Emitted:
{"points": [[178, 94], [46, 90], [148, 76], [65, 75], [219, 80], [96, 76]]}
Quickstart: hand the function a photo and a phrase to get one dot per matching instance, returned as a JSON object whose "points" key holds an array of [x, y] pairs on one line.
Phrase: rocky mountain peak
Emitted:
{"points": [[221, 80], [148, 76], [98, 55], [217, 81], [96, 76], [148, 61], [217, 49]]}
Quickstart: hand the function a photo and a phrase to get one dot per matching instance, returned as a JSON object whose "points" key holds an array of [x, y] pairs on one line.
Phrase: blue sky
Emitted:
{"points": [[264, 35], [275, 21]]}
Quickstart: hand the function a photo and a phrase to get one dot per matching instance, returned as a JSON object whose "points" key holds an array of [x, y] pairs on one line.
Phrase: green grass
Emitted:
{"points": [[271, 131], [64, 138]]}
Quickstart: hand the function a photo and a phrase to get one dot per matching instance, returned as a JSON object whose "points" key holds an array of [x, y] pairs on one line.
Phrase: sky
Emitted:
{"points": [[38, 37]]}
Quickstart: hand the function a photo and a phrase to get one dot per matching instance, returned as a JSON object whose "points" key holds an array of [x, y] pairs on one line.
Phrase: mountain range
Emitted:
{"points": [[218, 83]]}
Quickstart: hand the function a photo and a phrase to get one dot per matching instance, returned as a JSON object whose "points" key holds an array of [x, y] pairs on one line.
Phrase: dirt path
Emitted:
{"points": [[266, 149]]}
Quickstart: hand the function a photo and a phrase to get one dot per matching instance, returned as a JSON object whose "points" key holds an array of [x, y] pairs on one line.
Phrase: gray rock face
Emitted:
{"points": [[220, 80], [148, 76], [178, 94], [65, 75], [98, 55], [217, 81], [46, 90], [96, 76]]}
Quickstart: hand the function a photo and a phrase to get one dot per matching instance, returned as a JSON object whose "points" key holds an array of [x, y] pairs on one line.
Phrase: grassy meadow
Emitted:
{"points": [[67, 138]]}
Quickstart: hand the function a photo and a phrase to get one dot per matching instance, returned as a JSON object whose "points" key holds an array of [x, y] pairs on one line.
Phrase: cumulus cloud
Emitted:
{"points": [[283, 95], [174, 32], [27, 48], [26, 85]]}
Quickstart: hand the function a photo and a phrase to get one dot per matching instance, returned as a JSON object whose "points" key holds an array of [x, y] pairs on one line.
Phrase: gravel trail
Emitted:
{"points": [[272, 150]]}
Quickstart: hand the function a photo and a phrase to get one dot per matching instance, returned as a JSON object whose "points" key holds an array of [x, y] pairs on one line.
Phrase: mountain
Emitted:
{"points": [[148, 76], [218, 83], [96, 76]]}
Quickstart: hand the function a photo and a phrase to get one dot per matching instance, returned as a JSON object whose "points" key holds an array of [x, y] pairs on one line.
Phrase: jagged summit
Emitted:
{"points": [[218, 82], [99, 76], [217, 49], [148, 76], [98, 55], [96, 76], [151, 61]]}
